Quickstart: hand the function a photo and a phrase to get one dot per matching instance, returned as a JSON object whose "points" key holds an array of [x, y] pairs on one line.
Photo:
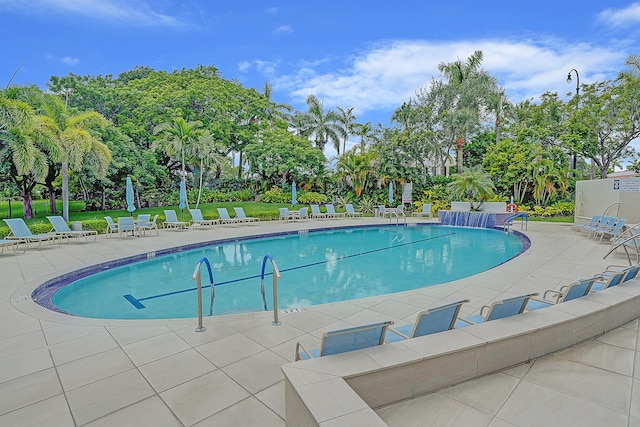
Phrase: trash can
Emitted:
{"points": [[376, 212], [76, 225]]}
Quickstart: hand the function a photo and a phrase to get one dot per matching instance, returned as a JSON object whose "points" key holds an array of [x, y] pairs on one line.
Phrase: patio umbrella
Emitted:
{"points": [[183, 197], [130, 196], [294, 194], [390, 193]]}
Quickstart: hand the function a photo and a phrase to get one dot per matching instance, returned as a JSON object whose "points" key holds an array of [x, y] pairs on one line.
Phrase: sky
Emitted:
{"points": [[370, 55]]}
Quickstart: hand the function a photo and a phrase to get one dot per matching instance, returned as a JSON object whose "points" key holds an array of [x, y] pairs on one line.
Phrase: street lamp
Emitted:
{"points": [[575, 159], [577, 80]]}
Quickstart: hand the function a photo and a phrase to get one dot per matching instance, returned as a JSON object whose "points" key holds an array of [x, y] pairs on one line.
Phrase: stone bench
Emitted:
{"points": [[345, 389]]}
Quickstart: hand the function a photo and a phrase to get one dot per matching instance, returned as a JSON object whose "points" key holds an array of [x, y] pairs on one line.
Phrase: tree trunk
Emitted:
{"points": [[64, 171], [25, 193], [460, 147]]}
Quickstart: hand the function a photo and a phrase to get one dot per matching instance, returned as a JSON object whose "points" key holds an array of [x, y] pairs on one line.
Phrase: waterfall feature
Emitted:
{"points": [[468, 219]]}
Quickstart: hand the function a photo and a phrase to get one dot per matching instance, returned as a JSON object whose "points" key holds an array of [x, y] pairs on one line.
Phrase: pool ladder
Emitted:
{"points": [[197, 278], [276, 276]]}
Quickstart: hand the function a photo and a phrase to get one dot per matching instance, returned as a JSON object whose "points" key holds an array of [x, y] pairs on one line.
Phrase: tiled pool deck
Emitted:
{"points": [[66, 371]]}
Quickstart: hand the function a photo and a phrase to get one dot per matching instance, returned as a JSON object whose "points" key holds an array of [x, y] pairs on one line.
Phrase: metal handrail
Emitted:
{"points": [[624, 246], [276, 276], [196, 277], [524, 219]]}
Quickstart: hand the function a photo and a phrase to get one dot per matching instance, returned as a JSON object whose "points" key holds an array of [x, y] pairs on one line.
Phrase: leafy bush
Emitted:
{"points": [[275, 195], [366, 205], [309, 197]]}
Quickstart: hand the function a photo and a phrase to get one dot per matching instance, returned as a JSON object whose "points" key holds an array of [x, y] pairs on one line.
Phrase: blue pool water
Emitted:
{"points": [[317, 267]]}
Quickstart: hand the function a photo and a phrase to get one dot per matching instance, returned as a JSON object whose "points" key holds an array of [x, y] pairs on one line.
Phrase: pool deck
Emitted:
{"points": [[67, 371]]}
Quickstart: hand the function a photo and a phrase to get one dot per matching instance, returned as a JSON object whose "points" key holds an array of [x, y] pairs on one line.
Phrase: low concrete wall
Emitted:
{"points": [[344, 389]]}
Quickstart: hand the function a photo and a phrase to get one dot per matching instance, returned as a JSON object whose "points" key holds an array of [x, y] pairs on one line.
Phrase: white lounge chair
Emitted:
{"points": [[199, 221], [351, 212], [242, 217], [315, 212], [112, 227], [15, 244], [426, 211], [225, 218], [331, 212], [61, 228], [20, 231], [171, 221]]}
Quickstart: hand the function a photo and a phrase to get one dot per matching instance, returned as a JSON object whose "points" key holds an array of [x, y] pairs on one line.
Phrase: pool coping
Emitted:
{"points": [[346, 389]]}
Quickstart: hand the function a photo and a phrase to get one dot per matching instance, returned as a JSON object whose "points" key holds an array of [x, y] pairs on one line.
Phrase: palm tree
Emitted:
{"points": [[204, 153], [471, 86], [30, 143], [273, 109], [176, 138], [347, 120], [367, 134], [323, 127], [473, 184], [499, 104]]}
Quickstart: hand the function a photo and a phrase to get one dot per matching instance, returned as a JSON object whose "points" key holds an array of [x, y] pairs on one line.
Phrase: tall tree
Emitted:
{"points": [[348, 121], [472, 87], [323, 126]]}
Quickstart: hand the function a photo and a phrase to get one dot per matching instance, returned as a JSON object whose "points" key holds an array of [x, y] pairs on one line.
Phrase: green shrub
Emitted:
{"points": [[309, 197], [275, 195]]}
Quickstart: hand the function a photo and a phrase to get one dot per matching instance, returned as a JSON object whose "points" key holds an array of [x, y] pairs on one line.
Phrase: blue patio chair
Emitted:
{"points": [[351, 212], [606, 222], [498, 310], [149, 225], [611, 232], [112, 227], [331, 212], [426, 210], [61, 228], [225, 218], [198, 221], [630, 271], [566, 293], [242, 217], [126, 225], [608, 279], [315, 212], [15, 244], [594, 220], [171, 221], [431, 321], [303, 214], [20, 231], [344, 340]]}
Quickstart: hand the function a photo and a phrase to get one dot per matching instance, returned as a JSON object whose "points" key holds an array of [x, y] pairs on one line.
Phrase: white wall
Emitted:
{"points": [[594, 196]]}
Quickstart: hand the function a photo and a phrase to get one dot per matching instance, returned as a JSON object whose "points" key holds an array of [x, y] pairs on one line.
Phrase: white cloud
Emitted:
{"points": [[388, 74], [66, 60], [283, 29], [130, 13], [621, 17]]}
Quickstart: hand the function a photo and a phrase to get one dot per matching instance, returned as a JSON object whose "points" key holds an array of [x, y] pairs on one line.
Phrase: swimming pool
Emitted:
{"points": [[317, 267]]}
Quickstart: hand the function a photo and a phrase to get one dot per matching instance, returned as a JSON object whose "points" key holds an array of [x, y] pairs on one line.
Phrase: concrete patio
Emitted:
{"points": [[67, 371]]}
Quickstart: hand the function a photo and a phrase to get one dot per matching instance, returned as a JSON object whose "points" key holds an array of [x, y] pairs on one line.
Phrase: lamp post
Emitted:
{"points": [[575, 159]]}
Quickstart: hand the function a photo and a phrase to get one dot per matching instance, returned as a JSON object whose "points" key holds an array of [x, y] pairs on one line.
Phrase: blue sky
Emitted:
{"points": [[370, 55]]}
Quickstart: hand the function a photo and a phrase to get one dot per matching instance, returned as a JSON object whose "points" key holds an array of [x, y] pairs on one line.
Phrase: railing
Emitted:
{"points": [[624, 245], [276, 276], [196, 277], [524, 221]]}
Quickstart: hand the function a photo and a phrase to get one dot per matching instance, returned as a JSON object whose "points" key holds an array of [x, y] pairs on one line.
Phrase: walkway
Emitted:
{"points": [[66, 371]]}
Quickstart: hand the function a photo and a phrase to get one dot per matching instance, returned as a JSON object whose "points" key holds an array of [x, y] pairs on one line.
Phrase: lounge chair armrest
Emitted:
{"points": [[556, 294], [483, 308], [304, 350], [465, 321], [406, 337]]}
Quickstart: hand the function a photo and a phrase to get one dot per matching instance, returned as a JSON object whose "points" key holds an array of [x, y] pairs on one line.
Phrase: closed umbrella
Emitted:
{"points": [[294, 194], [183, 197], [130, 196], [390, 193]]}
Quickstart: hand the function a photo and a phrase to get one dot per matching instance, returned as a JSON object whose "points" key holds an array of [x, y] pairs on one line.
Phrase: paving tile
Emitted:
{"points": [[257, 372], [93, 368], [53, 411], [29, 389], [200, 398], [249, 412], [84, 346], [24, 364], [149, 412], [155, 348], [486, 393], [102, 397], [230, 349], [176, 369], [432, 410]]}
